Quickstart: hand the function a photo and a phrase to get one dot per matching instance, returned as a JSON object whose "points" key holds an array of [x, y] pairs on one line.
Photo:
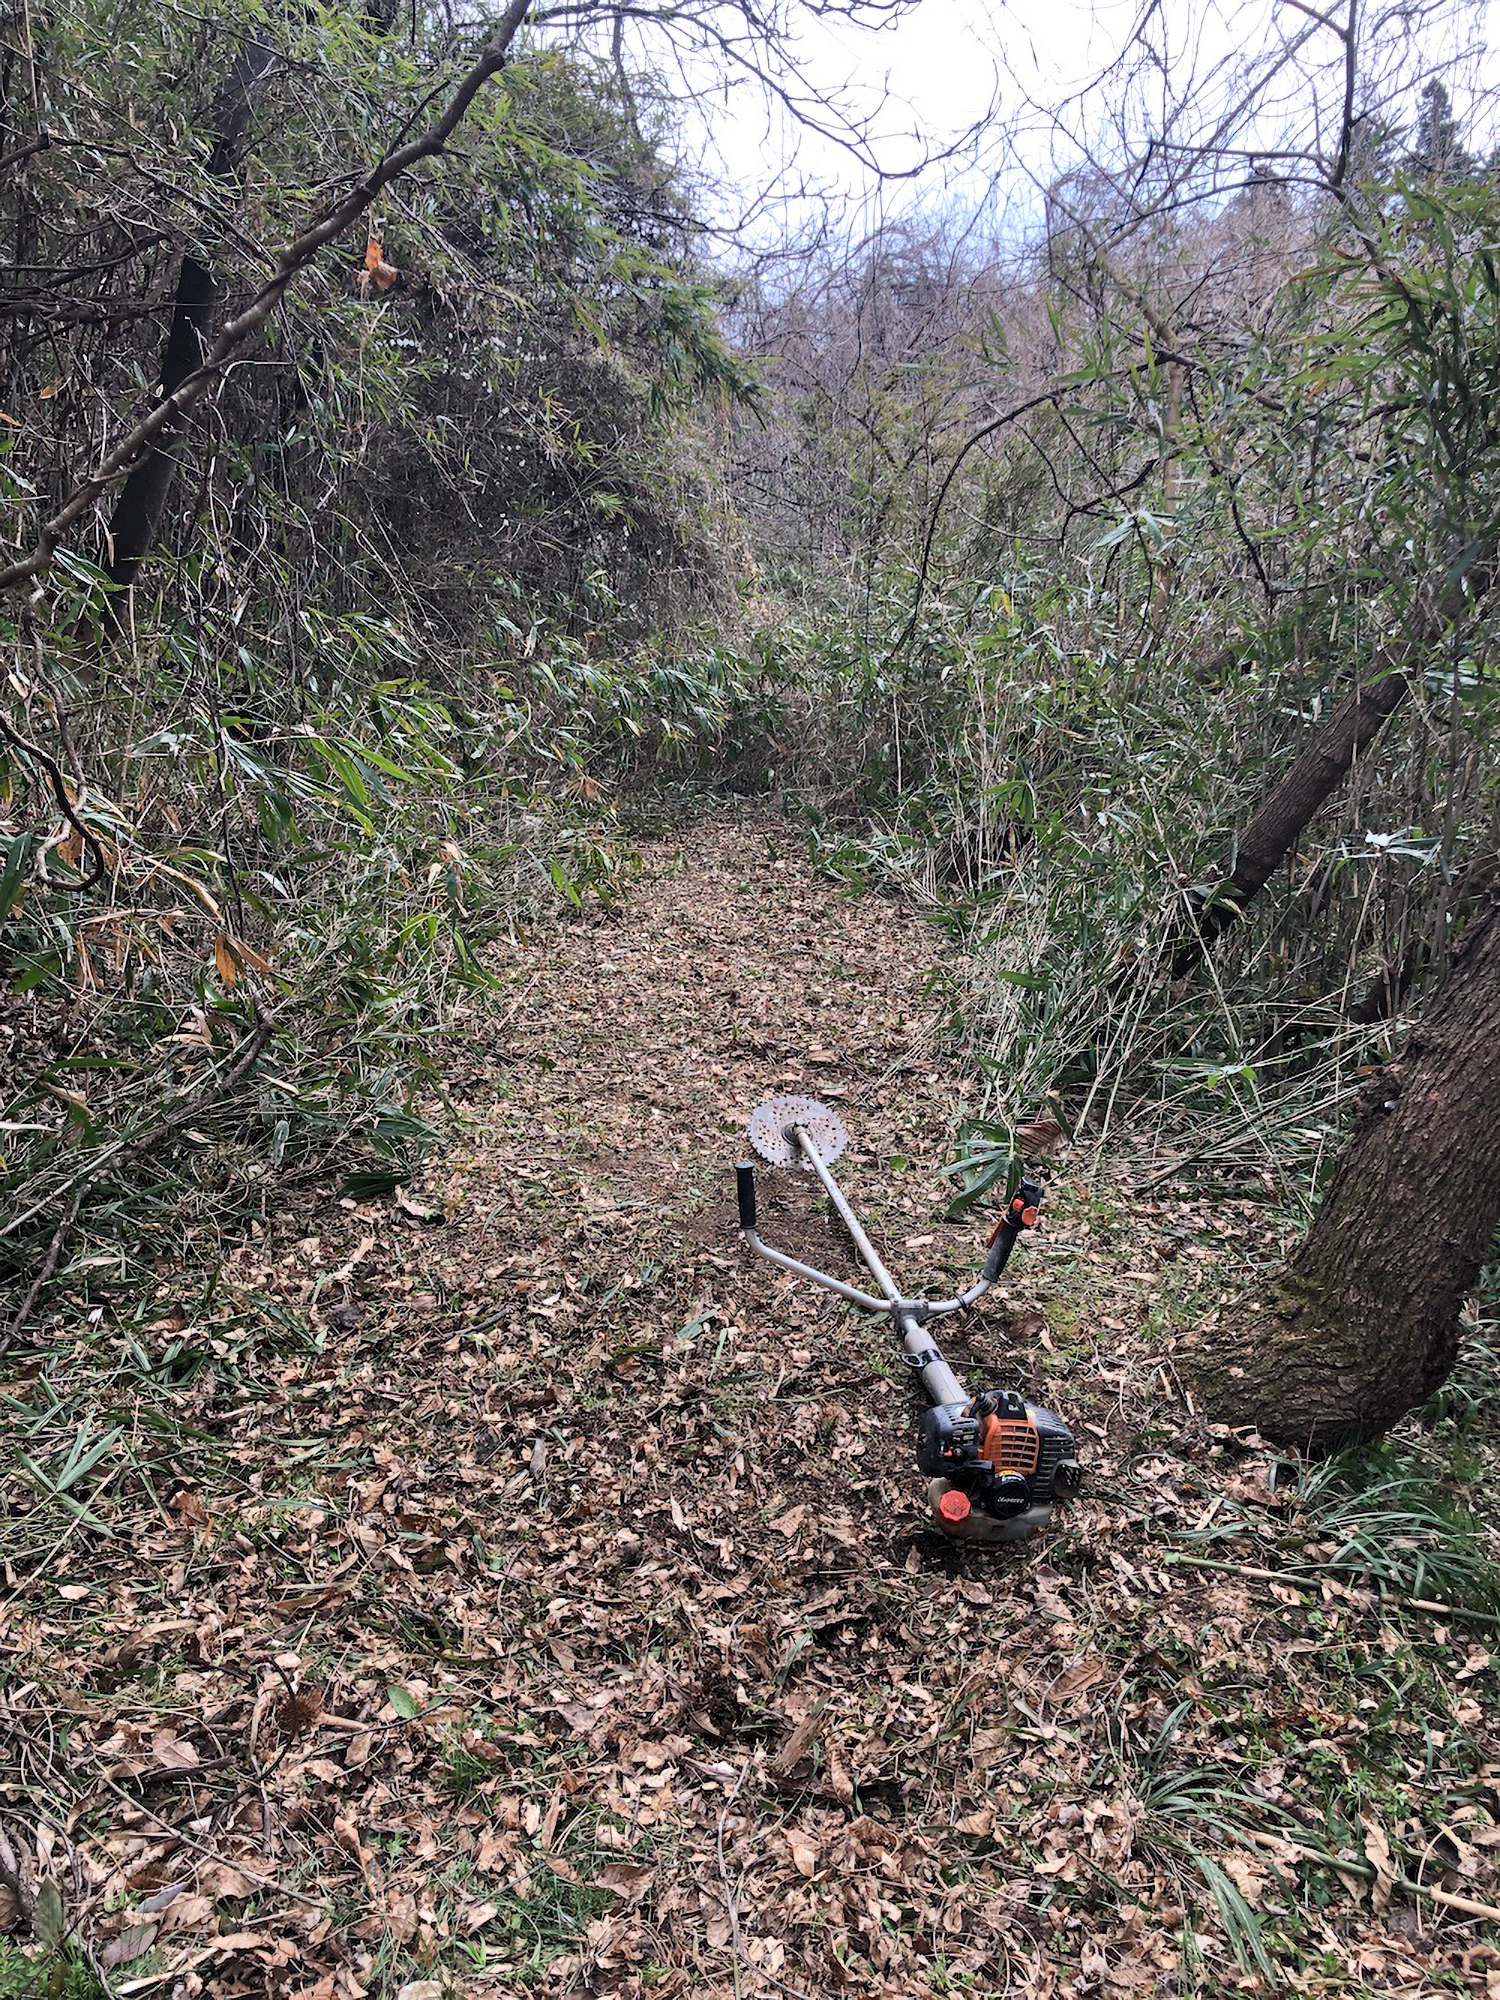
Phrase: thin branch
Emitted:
{"points": [[44, 1275], [10, 734], [1346, 121], [976, 438], [24, 151], [1343, 1864]]}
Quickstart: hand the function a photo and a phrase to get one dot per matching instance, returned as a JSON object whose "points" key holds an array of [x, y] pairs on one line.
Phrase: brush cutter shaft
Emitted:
{"points": [[938, 1379], [910, 1315], [849, 1219], [829, 1284]]}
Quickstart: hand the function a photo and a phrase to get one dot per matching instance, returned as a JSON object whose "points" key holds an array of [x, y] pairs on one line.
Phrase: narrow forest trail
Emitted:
{"points": [[549, 1605]]}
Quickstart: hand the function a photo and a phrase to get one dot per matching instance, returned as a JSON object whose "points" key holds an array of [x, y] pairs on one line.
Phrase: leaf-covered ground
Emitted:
{"points": [[512, 1585]]}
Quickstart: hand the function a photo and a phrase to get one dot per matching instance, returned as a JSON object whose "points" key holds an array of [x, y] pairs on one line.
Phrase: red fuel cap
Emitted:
{"points": [[954, 1507]]}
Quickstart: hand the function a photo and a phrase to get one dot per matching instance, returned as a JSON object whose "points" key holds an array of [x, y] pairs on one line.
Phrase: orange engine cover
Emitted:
{"points": [[1010, 1445]]}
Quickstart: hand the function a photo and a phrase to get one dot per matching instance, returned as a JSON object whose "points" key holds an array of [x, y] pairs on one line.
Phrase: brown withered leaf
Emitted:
{"points": [[1040, 1138], [798, 1745], [299, 1712], [804, 1852], [630, 1879], [172, 1752]]}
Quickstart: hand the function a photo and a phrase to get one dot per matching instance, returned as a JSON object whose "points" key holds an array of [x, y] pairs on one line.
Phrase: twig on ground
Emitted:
{"points": [[49, 1265], [1293, 1580], [177, 1833], [1469, 1906], [731, 1907]]}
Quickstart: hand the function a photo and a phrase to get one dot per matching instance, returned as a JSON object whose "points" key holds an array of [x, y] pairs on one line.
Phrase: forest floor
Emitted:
{"points": [[514, 1586]]}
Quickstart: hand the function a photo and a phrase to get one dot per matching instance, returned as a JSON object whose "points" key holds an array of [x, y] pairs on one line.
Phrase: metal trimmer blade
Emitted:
{"points": [[772, 1125]]}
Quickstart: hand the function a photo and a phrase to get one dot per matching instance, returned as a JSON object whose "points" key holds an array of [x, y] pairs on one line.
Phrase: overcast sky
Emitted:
{"points": [[950, 65]]}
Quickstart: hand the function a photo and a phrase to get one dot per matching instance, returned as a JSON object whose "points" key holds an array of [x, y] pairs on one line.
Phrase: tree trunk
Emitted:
{"points": [[1322, 767], [1362, 1324], [137, 515]]}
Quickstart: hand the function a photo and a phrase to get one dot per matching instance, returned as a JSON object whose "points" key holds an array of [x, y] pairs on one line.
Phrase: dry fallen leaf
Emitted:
{"points": [[1042, 1138], [797, 1745], [1079, 1679], [221, 1880], [186, 1913], [133, 1942], [629, 1879], [346, 1834], [804, 1853], [172, 1753], [1378, 1854]]}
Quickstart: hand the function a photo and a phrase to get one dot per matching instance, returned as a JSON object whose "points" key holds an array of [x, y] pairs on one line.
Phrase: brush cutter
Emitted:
{"points": [[994, 1463]]}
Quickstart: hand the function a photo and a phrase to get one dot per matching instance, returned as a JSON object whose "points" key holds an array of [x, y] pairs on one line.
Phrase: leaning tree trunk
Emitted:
{"points": [[1362, 1323], [137, 515], [1322, 766]]}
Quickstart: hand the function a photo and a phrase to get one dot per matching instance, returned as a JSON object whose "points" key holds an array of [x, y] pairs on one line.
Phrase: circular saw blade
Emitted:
{"points": [[768, 1131]]}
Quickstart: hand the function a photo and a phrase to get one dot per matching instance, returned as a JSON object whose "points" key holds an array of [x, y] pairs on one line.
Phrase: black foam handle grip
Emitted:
{"points": [[744, 1184], [1021, 1214]]}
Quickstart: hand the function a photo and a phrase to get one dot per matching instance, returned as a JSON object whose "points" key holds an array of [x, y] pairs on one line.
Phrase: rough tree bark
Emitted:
{"points": [[1322, 766], [1362, 1323], [136, 519]]}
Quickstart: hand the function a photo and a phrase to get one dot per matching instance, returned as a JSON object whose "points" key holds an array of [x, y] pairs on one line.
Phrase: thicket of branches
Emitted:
{"points": [[1065, 541], [1122, 513], [324, 685]]}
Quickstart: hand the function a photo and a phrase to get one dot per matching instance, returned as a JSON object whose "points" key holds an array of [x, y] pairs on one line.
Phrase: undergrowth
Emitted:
{"points": [[1043, 801], [1406, 1518], [237, 962], [51, 1975]]}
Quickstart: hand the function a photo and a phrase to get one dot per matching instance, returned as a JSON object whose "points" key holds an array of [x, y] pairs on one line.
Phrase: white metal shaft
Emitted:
{"points": [[850, 1220], [938, 1379], [829, 1284]]}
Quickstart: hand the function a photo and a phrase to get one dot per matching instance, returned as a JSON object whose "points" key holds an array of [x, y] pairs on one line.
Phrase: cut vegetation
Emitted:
{"points": [[486, 1585]]}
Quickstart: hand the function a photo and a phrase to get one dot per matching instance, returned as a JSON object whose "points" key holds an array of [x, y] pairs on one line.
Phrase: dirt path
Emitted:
{"points": [[539, 1597]]}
